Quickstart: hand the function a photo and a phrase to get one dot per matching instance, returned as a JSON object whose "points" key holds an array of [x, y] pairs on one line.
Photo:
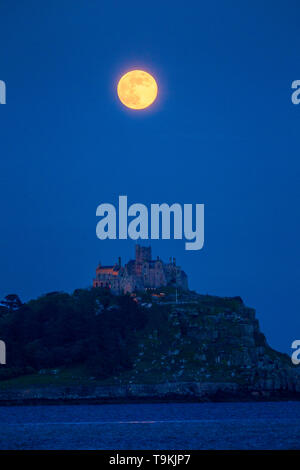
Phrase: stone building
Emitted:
{"points": [[140, 274]]}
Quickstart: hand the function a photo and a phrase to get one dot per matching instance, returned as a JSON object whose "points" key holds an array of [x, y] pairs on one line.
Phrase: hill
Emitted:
{"points": [[160, 339]]}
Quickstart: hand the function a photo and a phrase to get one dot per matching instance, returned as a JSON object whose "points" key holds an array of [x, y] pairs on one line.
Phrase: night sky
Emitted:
{"points": [[222, 132]]}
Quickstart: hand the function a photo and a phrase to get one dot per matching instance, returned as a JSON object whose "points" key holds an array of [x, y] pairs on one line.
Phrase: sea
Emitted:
{"points": [[174, 426]]}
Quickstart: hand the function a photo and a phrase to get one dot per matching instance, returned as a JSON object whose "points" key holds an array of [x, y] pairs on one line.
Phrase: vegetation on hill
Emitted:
{"points": [[89, 327]]}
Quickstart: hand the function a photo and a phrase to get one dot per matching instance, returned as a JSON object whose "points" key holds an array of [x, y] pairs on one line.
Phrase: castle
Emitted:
{"points": [[140, 274]]}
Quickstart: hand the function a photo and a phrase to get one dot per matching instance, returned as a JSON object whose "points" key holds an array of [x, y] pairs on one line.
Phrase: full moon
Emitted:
{"points": [[137, 89]]}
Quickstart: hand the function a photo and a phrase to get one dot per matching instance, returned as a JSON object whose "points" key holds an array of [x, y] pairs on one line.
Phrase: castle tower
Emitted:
{"points": [[142, 253]]}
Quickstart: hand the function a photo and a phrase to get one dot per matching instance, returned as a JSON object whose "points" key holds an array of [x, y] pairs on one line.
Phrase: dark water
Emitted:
{"points": [[158, 426]]}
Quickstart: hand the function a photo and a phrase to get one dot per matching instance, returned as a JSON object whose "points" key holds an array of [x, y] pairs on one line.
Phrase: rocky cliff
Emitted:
{"points": [[214, 340]]}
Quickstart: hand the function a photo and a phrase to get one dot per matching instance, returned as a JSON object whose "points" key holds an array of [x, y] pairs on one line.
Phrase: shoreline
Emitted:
{"points": [[151, 401]]}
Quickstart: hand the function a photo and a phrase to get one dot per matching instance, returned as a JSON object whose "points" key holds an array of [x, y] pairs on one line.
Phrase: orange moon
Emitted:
{"points": [[137, 89]]}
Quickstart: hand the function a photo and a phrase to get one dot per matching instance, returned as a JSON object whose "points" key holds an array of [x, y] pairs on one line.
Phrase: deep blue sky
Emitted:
{"points": [[223, 132]]}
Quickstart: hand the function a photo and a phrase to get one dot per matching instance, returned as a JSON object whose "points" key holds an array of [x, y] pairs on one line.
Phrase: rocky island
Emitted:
{"points": [[165, 344]]}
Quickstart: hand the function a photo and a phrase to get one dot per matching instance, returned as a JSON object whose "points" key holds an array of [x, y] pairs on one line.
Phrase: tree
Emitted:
{"points": [[12, 302]]}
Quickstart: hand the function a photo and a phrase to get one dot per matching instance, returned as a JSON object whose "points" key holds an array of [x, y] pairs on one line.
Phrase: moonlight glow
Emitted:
{"points": [[137, 89]]}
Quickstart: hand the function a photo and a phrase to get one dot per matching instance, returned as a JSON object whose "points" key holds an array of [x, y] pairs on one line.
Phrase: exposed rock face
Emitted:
{"points": [[218, 340]]}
